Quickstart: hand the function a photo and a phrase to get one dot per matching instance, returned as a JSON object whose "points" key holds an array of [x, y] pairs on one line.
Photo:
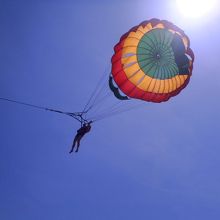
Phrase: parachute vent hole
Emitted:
{"points": [[158, 56]]}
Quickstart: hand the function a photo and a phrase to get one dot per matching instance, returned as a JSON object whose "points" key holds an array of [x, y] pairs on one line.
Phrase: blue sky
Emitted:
{"points": [[157, 162]]}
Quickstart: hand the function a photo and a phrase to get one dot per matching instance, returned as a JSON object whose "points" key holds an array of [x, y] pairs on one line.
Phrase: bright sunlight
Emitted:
{"points": [[196, 8]]}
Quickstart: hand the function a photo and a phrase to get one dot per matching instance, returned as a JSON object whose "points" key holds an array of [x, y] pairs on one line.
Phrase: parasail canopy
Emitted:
{"points": [[153, 62]]}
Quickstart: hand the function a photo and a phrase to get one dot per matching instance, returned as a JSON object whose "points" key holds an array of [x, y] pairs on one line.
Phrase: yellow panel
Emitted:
{"points": [[149, 26], [127, 50], [166, 86], [174, 83], [170, 85], [142, 30], [152, 85], [159, 26], [130, 59], [145, 83], [178, 82], [162, 86], [131, 70], [136, 77], [185, 77], [136, 35], [131, 42], [181, 79], [157, 86]]}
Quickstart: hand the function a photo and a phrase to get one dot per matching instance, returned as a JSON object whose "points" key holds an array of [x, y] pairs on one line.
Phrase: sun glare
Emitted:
{"points": [[196, 8]]}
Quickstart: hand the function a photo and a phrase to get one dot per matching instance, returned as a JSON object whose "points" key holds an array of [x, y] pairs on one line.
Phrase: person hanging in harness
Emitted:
{"points": [[85, 128]]}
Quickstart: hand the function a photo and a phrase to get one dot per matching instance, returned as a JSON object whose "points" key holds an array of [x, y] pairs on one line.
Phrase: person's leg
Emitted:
{"points": [[74, 143], [78, 143]]}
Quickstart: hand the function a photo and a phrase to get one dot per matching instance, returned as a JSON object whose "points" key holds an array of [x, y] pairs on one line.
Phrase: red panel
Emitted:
{"points": [[120, 78], [136, 93]]}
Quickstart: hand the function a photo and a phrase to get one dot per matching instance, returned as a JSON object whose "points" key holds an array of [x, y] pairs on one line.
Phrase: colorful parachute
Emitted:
{"points": [[152, 62]]}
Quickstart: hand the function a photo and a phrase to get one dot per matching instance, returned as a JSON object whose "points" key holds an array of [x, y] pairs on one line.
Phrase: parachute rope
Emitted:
{"points": [[115, 112], [76, 115], [95, 94]]}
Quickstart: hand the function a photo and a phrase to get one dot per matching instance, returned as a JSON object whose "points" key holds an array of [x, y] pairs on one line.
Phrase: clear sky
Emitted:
{"points": [[158, 162]]}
